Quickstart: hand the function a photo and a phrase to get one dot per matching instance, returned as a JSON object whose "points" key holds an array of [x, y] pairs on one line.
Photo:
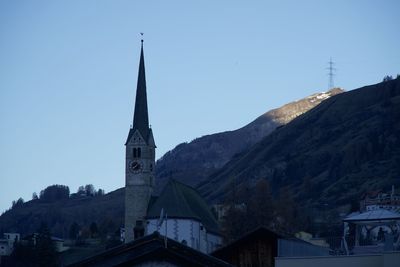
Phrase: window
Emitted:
{"points": [[138, 233], [137, 152], [138, 230]]}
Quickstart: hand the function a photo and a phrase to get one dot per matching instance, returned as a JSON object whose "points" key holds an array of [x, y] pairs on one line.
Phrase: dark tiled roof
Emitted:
{"points": [[182, 201], [258, 233], [151, 248]]}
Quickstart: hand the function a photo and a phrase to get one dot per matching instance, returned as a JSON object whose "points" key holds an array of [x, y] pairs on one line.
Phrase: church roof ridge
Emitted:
{"points": [[173, 180], [151, 247]]}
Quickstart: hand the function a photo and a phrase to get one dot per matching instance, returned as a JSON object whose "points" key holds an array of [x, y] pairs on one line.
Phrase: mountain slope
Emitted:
{"points": [[187, 162], [107, 211], [346, 145], [192, 162]]}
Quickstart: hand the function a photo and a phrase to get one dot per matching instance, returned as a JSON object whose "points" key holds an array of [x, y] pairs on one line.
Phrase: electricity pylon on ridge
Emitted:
{"points": [[331, 73]]}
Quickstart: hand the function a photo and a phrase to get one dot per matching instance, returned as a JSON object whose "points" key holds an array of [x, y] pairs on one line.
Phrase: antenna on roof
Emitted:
{"points": [[166, 223], [161, 219], [163, 216], [392, 195]]}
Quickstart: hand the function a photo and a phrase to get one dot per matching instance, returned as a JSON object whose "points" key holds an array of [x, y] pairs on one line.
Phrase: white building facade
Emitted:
{"points": [[187, 231], [7, 243]]}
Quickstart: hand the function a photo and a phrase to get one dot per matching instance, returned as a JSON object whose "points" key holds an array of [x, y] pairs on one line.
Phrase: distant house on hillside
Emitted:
{"points": [[7, 243], [57, 242], [380, 200]]}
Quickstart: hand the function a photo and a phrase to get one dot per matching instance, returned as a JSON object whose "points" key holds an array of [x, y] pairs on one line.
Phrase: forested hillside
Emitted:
{"points": [[192, 162], [332, 154]]}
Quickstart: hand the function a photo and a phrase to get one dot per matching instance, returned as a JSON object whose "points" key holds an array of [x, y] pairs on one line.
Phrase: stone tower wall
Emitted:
{"points": [[138, 183]]}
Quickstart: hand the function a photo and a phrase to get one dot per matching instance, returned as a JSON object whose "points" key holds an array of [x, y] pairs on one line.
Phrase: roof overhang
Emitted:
{"points": [[374, 217]]}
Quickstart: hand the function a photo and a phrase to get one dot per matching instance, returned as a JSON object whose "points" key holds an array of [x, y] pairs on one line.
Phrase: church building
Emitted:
{"points": [[179, 213]]}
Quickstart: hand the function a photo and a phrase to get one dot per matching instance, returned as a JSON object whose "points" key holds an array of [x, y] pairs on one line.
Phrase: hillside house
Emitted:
{"points": [[380, 200], [7, 243]]}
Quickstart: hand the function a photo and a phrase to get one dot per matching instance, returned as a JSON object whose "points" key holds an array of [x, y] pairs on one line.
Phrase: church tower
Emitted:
{"points": [[139, 162]]}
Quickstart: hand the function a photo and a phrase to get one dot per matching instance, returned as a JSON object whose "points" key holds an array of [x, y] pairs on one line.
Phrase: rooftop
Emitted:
{"points": [[182, 201]]}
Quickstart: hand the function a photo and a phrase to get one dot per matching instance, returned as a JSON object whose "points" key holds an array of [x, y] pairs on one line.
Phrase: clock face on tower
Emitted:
{"points": [[135, 166]]}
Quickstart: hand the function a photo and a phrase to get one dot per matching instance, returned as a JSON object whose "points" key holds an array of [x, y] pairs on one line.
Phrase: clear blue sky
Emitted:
{"points": [[68, 73]]}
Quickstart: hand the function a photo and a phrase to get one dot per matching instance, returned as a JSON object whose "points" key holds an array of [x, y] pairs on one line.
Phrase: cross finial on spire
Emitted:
{"points": [[142, 37]]}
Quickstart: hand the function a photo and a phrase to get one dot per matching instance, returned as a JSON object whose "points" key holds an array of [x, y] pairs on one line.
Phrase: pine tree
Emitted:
{"points": [[260, 206], [74, 231], [234, 222], [93, 229], [45, 250]]}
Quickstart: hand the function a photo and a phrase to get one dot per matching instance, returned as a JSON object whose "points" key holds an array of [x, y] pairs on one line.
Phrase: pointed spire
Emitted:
{"points": [[141, 117]]}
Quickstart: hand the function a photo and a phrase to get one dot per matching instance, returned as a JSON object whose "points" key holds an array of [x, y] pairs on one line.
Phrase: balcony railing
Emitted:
{"points": [[352, 246]]}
